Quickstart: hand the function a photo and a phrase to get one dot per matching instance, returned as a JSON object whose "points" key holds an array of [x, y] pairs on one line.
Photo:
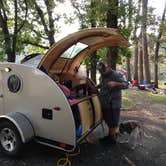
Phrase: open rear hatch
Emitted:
{"points": [[67, 54], [65, 57]]}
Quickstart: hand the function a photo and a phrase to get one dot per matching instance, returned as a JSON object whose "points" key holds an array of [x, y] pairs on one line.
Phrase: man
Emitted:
{"points": [[110, 86]]}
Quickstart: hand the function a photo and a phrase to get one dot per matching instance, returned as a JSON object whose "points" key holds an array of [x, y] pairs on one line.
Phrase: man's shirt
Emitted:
{"points": [[111, 95]]}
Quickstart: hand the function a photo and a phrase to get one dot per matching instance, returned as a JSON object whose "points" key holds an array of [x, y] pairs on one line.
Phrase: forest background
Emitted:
{"points": [[32, 26]]}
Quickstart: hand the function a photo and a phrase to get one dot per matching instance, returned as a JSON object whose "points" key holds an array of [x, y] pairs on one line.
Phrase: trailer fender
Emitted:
{"points": [[22, 123]]}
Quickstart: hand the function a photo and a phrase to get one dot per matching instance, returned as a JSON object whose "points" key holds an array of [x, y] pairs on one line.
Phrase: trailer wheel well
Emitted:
{"points": [[22, 123]]}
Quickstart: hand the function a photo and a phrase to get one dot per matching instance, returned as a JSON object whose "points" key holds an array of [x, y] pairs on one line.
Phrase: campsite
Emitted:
{"points": [[82, 82]]}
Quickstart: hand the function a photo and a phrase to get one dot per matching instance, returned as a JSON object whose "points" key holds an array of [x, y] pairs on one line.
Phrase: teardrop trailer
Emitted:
{"points": [[33, 106]]}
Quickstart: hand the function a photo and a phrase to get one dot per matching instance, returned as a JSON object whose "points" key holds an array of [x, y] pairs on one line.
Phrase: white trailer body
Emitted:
{"points": [[33, 106], [38, 92]]}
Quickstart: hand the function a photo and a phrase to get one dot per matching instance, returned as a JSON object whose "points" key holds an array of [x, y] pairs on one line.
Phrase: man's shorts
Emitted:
{"points": [[111, 116]]}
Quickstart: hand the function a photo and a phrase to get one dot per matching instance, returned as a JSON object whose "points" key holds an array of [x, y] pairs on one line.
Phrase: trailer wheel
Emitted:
{"points": [[10, 140]]}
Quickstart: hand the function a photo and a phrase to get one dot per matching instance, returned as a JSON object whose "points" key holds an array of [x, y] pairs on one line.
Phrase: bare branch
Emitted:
{"points": [[39, 34], [41, 14], [35, 44]]}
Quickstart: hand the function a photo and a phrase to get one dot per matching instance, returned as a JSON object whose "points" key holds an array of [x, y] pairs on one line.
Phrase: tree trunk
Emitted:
{"points": [[87, 73], [130, 25], [135, 77], [144, 41], [48, 27], [112, 22], [50, 6], [15, 31], [135, 74], [112, 57], [93, 58], [128, 69], [93, 66], [6, 35], [140, 61], [157, 50], [156, 65], [10, 40]]}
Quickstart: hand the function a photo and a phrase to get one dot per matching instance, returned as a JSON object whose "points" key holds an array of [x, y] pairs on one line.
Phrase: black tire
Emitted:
{"points": [[10, 140]]}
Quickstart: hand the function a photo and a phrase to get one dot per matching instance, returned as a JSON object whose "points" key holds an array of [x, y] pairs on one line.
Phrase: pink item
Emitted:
{"points": [[72, 101], [134, 83], [67, 94], [65, 90]]}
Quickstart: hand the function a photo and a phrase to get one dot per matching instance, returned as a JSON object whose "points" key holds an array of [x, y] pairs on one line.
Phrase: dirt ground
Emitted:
{"points": [[149, 114]]}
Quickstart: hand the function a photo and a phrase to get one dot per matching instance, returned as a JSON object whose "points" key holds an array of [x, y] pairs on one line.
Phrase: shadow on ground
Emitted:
{"points": [[152, 152]]}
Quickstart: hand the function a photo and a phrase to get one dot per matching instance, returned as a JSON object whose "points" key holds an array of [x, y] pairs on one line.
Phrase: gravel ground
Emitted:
{"points": [[152, 152]]}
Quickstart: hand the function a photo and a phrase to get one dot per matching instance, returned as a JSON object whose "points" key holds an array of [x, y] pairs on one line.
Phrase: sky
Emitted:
{"points": [[67, 29], [158, 5]]}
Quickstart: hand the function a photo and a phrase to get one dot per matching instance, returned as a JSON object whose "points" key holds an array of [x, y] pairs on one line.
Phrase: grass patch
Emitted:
{"points": [[131, 97], [127, 96], [158, 98], [134, 94], [161, 84], [126, 103]]}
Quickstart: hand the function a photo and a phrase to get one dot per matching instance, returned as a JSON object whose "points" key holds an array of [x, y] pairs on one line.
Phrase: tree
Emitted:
{"points": [[130, 28], [93, 60], [135, 74], [42, 24], [87, 14], [81, 11], [112, 22], [43, 15], [140, 61], [136, 41], [11, 26], [108, 13], [157, 48], [48, 24], [144, 41]]}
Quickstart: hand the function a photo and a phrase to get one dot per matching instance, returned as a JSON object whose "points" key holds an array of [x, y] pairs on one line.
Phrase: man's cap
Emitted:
{"points": [[102, 65]]}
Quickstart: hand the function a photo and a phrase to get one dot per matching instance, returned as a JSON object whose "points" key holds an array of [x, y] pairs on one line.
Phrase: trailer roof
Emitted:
{"points": [[67, 54]]}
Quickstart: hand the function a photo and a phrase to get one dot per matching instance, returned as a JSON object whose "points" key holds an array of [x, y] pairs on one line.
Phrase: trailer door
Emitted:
{"points": [[1, 95]]}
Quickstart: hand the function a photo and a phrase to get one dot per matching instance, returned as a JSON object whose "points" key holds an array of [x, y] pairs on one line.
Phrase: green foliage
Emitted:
{"points": [[33, 49], [124, 51], [87, 11], [32, 29], [13, 15], [128, 19], [1, 55], [87, 62], [101, 55]]}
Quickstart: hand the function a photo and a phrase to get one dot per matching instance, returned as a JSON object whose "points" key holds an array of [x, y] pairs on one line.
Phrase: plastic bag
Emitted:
{"points": [[135, 138], [100, 132]]}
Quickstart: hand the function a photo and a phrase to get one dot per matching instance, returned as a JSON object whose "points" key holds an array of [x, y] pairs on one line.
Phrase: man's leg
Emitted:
{"points": [[111, 117], [115, 116]]}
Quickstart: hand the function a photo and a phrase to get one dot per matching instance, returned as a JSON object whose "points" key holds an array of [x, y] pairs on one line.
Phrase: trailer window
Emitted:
{"points": [[74, 50], [14, 83]]}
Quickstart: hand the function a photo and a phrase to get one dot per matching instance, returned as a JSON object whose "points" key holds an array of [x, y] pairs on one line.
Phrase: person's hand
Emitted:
{"points": [[112, 84], [97, 86]]}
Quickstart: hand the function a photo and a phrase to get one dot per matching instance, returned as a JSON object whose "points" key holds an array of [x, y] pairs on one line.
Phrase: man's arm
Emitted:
{"points": [[118, 82], [98, 86], [120, 85]]}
